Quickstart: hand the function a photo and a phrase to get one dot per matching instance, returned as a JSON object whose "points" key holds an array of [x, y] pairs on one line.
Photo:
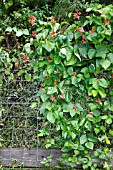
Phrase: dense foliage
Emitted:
{"points": [[73, 61]]}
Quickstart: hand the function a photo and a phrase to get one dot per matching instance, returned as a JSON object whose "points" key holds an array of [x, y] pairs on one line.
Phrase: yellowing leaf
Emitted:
{"points": [[94, 92], [107, 141], [48, 107]]}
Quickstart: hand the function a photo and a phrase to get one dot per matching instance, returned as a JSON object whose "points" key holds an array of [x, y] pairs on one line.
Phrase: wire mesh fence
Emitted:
{"points": [[19, 122]]}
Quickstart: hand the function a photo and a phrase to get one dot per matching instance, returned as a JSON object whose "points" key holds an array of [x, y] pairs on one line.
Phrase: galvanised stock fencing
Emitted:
{"points": [[20, 122]]}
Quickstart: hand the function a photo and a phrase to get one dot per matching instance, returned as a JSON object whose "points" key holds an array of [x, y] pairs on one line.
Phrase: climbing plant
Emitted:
{"points": [[76, 71]]}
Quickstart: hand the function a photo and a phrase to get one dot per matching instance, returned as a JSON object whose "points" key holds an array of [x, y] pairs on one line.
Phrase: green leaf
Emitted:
{"points": [[103, 82], [82, 122], [56, 27], [52, 90], [50, 69], [65, 74], [73, 135], [96, 119], [106, 105], [102, 156], [108, 31], [79, 107], [102, 92], [43, 107], [87, 75], [98, 61], [111, 132], [92, 106], [44, 97], [109, 121], [105, 63], [77, 35], [91, 137], [92, 68], [78, 56], [110, 57], [33, 104], [92, 80], [97, 130], [70, 36], [89, 37], [15, 29], [111, 92], [75, 48], [94, 93], [88, 9], [74, 80], [85, 23], [68, 96], [96, 84], [7, 72], [38, 37], [104, 117], [101, 52], [26, 32], [49, 107], [111, 108], [69, 51], [19, 33], [65, 149], [32, 55], [63, 51], [99, 29], [72, 61], [81, 148], [8, 29], [91, 53], [45, 33], [28, 77], [39, 50], [89, 145], [80, 77], [27, 47], [84, 70], [96, 113], [49, 46], [69, 108], [42, 63], [11, 77], [70, 70], [69, 15], [84, 161], [72, 112], [51, 117], [0, 113], [57, 59], [83, 52], [88, 125], [83, 139], [61, 84], [20, 72]]}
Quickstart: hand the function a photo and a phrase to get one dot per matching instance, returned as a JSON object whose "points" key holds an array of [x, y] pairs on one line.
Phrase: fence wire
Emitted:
{"points": [[19, 121]]}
